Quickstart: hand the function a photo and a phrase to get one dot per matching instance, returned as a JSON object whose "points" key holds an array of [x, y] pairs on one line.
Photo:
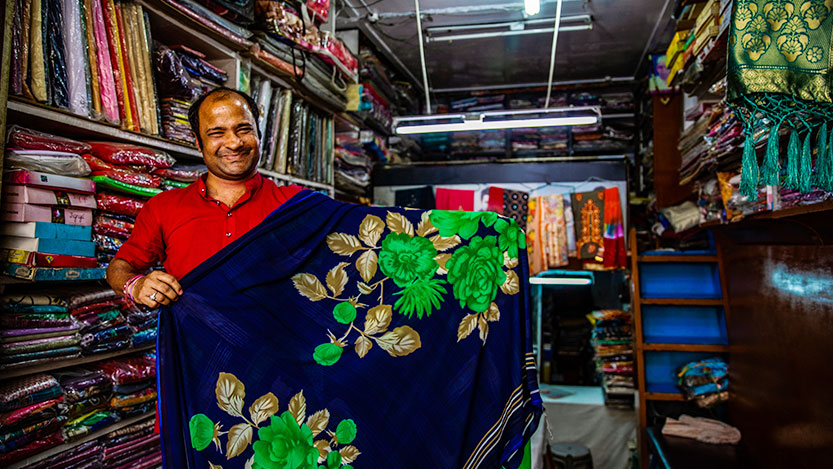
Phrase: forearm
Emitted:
{"points": [[118, 273]]}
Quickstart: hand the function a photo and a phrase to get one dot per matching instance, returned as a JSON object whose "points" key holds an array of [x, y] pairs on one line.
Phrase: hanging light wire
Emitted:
{"points": [[552, 54], [422, 58]]}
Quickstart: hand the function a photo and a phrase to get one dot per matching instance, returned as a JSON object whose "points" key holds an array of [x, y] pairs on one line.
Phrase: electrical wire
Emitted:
{"points": [[552, 55]]}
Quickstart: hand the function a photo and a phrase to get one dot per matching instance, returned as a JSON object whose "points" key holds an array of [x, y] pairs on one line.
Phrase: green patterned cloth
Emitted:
{"points": [[779, 74]]}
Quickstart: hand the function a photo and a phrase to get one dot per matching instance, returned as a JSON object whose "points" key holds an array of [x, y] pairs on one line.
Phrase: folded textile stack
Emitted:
{"points": [[45, 234], [310, 143], [134, 383], [617, 102], [132, 447], [229, 25], [613, 342], [142, 321], [30, 417], [352, 165], [35, 329], [87, 395], [554, 139], [480, 103], [706, 382], [463, 143], [524, 140], [90, 57], [103, 326], [113, 223]]}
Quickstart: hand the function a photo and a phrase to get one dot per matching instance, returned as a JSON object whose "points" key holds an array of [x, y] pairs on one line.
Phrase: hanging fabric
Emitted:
{"points": [[588, 214]]}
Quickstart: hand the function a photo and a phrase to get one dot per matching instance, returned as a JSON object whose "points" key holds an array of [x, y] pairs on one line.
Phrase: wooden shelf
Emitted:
{"points": [[776, 214], [57, 365], [64, 122], [92, 436], [297, 180], [682, 301], [664, 396], [677, 259], [715, 348]]}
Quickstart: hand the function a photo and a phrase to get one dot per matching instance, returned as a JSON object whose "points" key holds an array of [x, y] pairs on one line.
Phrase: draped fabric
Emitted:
{"points": [[337, 334]]}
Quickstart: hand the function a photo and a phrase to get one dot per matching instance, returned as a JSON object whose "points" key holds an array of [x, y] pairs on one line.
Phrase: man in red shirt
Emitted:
{"points": [[184, 227]]}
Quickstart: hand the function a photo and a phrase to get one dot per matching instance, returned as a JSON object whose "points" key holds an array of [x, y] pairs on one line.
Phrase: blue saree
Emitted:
{"points": [[334, 335]]}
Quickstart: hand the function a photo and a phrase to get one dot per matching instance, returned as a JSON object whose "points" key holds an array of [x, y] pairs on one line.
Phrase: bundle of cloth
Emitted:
{"points": [[702, 429], [87, 395], [134, 384], [352, 165], [613, 343], [31, 416], [705, 382]]}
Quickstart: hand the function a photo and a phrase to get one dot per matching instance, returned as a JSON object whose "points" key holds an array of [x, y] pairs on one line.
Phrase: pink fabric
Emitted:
{"points": [[455, 199], [109, 102]]}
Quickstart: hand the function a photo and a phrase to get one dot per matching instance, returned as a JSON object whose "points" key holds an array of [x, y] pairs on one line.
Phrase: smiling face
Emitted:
{"points": [[230, 144]]}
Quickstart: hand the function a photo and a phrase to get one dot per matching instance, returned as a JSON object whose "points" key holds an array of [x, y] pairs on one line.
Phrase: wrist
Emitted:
{"points": [[127, 290]]}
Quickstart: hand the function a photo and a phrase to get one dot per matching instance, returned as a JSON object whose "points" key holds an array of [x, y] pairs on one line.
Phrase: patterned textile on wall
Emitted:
{"points": [[588, 213]]}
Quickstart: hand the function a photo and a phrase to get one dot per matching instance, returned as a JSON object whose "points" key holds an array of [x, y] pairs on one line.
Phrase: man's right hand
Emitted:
{"points": [[156, 288]]}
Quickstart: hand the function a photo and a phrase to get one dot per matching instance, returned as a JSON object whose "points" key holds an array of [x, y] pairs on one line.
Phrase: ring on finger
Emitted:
{"points": [[152, 296]]}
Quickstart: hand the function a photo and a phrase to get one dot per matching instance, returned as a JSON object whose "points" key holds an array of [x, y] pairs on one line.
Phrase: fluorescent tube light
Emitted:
{"points": [[511, 28], [559, 281], [532, 7], [532, 118]]}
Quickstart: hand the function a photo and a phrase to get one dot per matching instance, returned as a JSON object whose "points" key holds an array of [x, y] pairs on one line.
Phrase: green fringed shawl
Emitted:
{"points": [[779, 75]]}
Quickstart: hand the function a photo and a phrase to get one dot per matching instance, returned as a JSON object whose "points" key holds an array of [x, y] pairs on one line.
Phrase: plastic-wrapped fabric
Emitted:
{"points": [[172, 80], [34, 320], [20, 438], [27, 357], [129, 177], [108, 183], [98, 321], [79, 384], [131, 98], [109, 335], [135, 454], [37, 52], [88, 423], [125, 153], [75, 54], [296, 141], [136, 72], [111, 30], [98, 307], [107, 244], [56, 54], [19, 418], [108, 347], [110, 226], [16, 82], [17, 335], [90, 59], [145, 47], [133, 369], [145, 337], [35, 447], [109, 98], [321, 8], [34, 308], [169, 184], [128, 400], [27, 139], [203, 68], [283, 132], [83, 406], [62, 163], [81, 456], [128, 433], [39, 345], [119, 204], [183, 173]]}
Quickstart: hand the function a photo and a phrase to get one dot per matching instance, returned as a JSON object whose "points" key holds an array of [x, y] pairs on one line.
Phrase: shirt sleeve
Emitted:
{"points": [[146, 245]]}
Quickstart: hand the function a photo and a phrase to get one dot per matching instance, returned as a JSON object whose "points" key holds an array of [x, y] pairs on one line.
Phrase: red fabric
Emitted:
{"points": [[495, 200], [615, 255], [184, 227], [455, 199]]}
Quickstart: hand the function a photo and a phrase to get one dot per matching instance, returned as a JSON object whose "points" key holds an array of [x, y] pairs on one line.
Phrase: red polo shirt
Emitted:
{"points": [[184, 227]]}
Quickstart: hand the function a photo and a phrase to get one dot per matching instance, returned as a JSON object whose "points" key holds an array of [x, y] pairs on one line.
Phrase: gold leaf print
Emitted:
{"points": [[425, 226], [466, 326], [298, 407], [483, 326], [318, 421], [349, 454], [814, 14], [512, 285], [343, 244], [493, 313], [309, 286], [378, 319], [397, 223], [367, 264], [400, 341], [365, 289], [323, 449], [239, 438], [509, 262], [363, 345], [444, 244], [441, 260], [777, 13], [230, 394], [371, 230], [337, 278], [249, 463], [264, 407], [211, 465]]}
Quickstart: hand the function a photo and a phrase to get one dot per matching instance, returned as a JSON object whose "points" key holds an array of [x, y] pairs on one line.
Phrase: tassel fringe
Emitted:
{"points": [[791, 181], [749, 169], [771, 168]]}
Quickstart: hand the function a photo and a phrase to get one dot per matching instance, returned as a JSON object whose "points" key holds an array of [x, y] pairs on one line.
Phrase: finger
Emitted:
{"points": [[163, 300], [163, 289], [168, 279]]}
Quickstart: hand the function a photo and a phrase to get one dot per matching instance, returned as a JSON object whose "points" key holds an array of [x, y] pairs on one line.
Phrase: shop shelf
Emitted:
{"points": [[685, 280]]}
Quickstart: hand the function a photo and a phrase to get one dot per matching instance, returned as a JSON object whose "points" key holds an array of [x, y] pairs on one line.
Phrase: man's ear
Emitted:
{"points": [[197, 142]]}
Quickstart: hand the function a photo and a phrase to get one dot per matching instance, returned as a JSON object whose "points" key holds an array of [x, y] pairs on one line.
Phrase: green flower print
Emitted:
{"points": [[333, 460], [476, 271], [202, 431], [404, 258], [285, 445], [344, 312], [464, 224], [511, 237], [327, 354], [814, 54], [346, 432], [421, 298]]}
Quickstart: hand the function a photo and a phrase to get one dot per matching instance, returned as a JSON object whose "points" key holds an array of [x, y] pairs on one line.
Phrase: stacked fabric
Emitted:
{"points": [[142, 321], [613, 342], [31, 417], [525, 140], [134, 383], [554, 139], [103, 327], [132, 447], [229, 25], [463, 143], [310, 144], [706, 381], [617, 102], [90, 57], [47, 211], [87, 395], [352, 165]]}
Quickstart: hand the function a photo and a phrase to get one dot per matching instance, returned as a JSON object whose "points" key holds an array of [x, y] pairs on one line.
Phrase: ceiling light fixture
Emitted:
{"points": [[532, 7], [532, 118], [510, 28], [563, 277]]}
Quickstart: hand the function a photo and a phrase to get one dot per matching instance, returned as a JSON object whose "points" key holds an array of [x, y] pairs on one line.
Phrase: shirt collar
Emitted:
{"points": [[252, 185]]}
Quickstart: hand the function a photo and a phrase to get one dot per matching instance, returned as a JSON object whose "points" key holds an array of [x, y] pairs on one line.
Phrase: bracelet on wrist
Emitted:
{"points": [[128, 286]]}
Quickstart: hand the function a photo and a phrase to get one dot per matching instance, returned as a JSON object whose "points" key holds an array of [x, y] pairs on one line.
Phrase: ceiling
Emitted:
{"points": [[613, 47]]}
